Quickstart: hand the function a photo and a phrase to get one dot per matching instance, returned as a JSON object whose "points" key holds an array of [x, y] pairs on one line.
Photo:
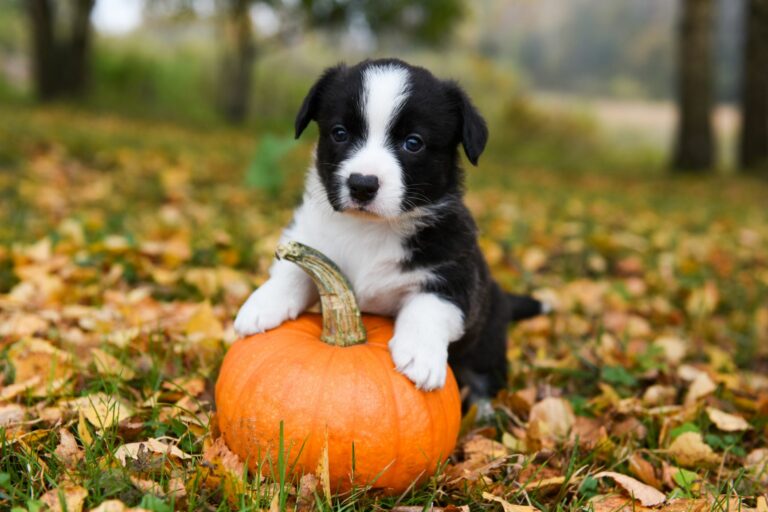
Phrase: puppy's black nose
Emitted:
{"points": [[362, 188]]}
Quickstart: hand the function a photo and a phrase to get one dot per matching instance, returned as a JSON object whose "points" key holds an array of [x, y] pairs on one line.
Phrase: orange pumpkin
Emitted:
{"points": [[324, 384]]}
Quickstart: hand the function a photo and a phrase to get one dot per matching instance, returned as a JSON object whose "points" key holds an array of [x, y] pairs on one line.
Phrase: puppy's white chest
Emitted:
{"points": [[369, 253]]}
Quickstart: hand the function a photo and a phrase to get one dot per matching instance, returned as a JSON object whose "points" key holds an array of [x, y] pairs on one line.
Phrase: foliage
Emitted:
{"points": [[127, 246]]}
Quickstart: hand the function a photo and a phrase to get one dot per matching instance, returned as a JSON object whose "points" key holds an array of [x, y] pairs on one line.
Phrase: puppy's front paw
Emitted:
{"points": [[263, 311], [421, 361]]}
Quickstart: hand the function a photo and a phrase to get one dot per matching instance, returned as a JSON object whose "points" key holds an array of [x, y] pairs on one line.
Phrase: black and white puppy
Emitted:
{"points": [[383, 200]]}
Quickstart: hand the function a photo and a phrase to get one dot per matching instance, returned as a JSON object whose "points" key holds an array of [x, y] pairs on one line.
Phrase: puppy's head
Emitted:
{"points": [[389, 134]]}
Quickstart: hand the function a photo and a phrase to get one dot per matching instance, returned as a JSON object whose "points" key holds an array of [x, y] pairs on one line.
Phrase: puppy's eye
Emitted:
{"points": [[339, 133], [413, 143]]}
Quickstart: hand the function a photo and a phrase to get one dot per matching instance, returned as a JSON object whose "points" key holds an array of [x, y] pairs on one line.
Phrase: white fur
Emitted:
{"points": [[369, 251], [385, 89], [424, 328]]}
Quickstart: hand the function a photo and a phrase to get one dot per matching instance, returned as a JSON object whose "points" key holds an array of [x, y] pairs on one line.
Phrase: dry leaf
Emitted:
{"points": [[72, 496], [727, 422], [107, 364], [690, 450], [67, 449], [645, 494], [506, 506], [116, 506], [616, 503], [644, 470], [203, 324], [701, 386], [227, 468], [546, 484], [323, 470], [552, 417], [103, 411], [131, 450]]}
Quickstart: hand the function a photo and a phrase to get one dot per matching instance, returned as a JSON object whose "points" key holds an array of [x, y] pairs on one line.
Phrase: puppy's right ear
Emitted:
{"points": [[308, 110]]}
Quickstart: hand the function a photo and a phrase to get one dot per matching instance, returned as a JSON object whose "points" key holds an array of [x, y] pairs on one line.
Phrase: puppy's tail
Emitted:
{"points": [[521, 307]]}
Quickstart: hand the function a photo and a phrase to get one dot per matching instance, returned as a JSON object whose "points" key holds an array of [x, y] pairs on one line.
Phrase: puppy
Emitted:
{"points": [[383, 199]]}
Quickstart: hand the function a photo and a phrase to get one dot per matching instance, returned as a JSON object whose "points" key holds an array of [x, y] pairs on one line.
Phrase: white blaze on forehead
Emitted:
{"points": [[385, 89]]}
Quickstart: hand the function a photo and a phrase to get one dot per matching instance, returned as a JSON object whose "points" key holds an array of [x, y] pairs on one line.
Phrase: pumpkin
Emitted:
{"points": [[327, 384]]}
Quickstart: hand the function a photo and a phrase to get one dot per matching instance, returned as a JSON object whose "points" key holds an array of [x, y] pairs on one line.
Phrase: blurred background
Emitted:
{"points": [[551, 76], [628, 148]]}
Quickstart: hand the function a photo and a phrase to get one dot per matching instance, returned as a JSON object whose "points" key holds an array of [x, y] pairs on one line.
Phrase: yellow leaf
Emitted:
{"points": [[203, 324], [107, 364], [103, 410], [507, 506], [690, 450], [82, 429]]}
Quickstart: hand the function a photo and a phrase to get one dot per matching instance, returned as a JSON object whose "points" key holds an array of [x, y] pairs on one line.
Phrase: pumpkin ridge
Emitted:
{"points": [[277, 353], [316, 417], [392, 405]]}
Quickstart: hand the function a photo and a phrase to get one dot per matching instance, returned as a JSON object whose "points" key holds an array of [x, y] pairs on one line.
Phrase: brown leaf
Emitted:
{"points": [[72, 496], [645, 494], [323, 469], [227, 469], [545, 484], [644, 470], [67, 449], [616, 503]]}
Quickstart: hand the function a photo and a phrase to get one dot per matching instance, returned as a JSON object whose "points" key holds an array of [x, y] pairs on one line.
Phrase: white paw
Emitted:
{"points": [[422, 361], [265, 310]]}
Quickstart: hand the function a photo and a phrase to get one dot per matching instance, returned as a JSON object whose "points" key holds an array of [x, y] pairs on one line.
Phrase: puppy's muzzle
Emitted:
{"points": [[362, 188]]}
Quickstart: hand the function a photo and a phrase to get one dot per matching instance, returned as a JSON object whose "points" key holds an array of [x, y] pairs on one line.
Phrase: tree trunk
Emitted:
{"points": [[80, 47], [694, 148], [43, 48], [754, 100], [60, 61], [238, 61]]}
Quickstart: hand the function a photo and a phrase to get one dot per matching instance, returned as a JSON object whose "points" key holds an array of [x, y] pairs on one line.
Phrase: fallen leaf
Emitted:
{"points": [[117, 506], [107, 364], [131, 450], [103, 411], [323, 470], [69, 498], [727, 422], [645, 494], [644, 470], [552, 417], [507, 506], [67, 450], [546, 484], [203, 324], [615, 503], [228, 470], [701, 386], [690, 450]]}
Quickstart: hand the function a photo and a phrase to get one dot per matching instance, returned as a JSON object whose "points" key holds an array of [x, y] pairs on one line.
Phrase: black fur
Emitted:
{"points": [[442, 113]]}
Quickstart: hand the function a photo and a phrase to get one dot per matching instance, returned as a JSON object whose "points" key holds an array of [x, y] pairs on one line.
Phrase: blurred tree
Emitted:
{"points": [[754, 135], [694, 147], [424, 21], [61, 44]]}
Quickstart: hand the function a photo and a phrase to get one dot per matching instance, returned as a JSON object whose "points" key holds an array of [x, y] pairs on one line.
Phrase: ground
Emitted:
{"points": [[126, 248]]}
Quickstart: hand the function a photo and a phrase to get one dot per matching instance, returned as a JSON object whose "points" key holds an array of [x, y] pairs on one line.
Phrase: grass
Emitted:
{"points": [[140, 239]]}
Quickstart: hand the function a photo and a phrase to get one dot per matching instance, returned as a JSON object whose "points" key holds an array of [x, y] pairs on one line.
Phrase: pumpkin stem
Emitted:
{"points": [[342, 323]]}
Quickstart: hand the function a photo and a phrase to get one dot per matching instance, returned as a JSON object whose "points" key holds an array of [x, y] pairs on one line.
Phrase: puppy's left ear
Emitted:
{"points": [[474, 131], [308, 110]]}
